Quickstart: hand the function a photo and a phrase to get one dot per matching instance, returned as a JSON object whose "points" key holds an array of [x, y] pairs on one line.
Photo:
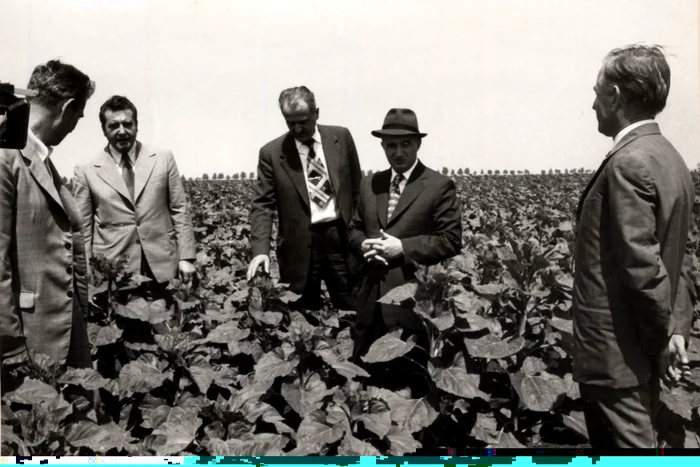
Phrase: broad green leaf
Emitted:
{"points": [[270, 367], [469, 302], [538, 393], [179, 430], [259, 444], [98, 438], [485, 428], [88, 378], [227, 333], [576, 422], [306, 399], [400, 294], [103, 335], [203, 377], [387, 348], [137, 377], [564, 325], [507, 441], [378, 422], [489, 291], [271, 318], [402, 441], [414, 414], [490, 346], [351, 446], [315, 431], [533, 365], [455, 379], [679, 401], [136, 309], [158, 313], [345, 368], [32, 392]]}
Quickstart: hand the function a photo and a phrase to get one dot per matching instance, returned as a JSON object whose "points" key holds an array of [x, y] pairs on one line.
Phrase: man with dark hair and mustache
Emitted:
{"points": [[133, 203]]}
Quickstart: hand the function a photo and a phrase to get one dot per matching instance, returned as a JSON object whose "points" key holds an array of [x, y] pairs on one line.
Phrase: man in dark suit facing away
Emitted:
{"points": [[311, 176], [406, 215], [631, 306]]}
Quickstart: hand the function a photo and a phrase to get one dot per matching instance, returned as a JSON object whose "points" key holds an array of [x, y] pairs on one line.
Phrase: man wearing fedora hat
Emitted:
{"points": [[406, 215], [311, 177]]}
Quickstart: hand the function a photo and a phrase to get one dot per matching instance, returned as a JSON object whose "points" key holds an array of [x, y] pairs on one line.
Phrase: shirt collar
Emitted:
{"points": [[406, 174], [626, 130], [117, 156], [316, 137], [34, 144]]}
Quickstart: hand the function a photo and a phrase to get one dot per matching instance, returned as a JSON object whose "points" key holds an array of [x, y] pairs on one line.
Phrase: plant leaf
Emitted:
{"points": [[490, 346], [414, 414], [402, 441], [387, 348], [88, 378], [351, 446], [400, 294]]}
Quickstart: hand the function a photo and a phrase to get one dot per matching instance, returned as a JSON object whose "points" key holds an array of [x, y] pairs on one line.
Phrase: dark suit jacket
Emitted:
{"points": [[43, 258], [632, 227], [427, 219], [157, 223], [282, 188]]}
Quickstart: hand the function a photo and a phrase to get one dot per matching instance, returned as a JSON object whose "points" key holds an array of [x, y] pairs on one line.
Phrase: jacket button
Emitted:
{"points": [[68, 245], [70, 294]]}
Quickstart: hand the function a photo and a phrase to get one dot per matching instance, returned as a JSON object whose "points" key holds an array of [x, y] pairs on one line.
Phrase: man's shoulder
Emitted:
{"points": [[10, 156], [333, 129], [275, 145]]}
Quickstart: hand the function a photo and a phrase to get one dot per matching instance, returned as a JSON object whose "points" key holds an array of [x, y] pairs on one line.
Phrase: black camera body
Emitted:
{"points": [[16, 110]]}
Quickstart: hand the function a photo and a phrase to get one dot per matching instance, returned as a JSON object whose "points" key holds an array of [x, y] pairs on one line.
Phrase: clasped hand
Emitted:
{"points": [[382, 249], [674, 361]]}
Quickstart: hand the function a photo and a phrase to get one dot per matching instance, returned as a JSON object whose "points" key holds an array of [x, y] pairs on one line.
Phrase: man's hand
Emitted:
{"points": [[386, 246], [187, 270], [3, 119], [676, 364], [255, 263]]}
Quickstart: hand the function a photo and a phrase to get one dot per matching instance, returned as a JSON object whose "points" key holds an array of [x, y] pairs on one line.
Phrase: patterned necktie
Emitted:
{"points": [[128, 174], [394, 194], [319, 185]]}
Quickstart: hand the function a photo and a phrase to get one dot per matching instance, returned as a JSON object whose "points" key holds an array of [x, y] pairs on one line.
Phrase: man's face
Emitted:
{"points": [[401, 151], [301, 123], [603, 106], [120, 129]]}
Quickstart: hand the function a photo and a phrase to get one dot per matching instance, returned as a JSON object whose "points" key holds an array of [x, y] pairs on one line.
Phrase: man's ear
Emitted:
{"points": [[318, 111], [616, 98]]}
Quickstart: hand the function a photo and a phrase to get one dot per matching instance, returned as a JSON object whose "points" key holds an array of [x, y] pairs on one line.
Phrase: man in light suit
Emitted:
{"points": [[311, 177], [43, 285], [631, 299], [406, 215], [133, 202]]}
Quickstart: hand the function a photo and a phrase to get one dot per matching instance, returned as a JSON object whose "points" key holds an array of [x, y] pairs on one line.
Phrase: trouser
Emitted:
{"points": [[79, 350], [328, 262], [622, 418]]}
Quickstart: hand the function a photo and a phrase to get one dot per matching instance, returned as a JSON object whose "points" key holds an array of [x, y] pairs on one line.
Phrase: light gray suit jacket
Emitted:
{"points": [[157, 222]]}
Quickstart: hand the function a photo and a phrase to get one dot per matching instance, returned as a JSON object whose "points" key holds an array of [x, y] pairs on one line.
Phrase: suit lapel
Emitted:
{"points": [[143, 169], [331, 152], [647, 129], [107, 170], [291, 163], [413, 188], [42, 176], [383, 182]]}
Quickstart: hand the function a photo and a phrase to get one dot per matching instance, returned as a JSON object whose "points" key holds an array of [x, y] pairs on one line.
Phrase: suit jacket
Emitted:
{"points": [[427, 219], [43, 269], [282, 188], [631, 231], [157, 223]]}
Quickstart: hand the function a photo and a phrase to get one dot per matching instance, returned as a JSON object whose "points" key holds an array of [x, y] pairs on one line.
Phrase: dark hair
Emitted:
{"points": [[297, 98], [55, 81], [116, 103], [642, 75]]}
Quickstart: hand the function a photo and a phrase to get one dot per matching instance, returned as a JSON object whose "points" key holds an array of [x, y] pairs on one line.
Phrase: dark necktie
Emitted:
{"points": [[394, 194], [317, 176], [128, 174]]}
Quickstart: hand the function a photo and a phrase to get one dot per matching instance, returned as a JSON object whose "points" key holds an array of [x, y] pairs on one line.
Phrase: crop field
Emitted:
{"points": [[226, 367]]}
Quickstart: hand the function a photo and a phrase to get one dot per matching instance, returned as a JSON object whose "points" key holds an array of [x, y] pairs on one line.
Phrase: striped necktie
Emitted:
{"points": [[394, 194], [319, 185]]}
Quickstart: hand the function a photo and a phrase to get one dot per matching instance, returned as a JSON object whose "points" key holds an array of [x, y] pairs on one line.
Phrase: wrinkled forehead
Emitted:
{"points": [[119, 116]]}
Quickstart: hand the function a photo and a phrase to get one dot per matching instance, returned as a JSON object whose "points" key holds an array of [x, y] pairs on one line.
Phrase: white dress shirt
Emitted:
{"points": [[34, 144], [318, 214], [117, 157], [622, 133], [406, 176]]}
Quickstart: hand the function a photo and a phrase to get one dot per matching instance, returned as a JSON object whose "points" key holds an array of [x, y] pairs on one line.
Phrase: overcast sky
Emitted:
{"points": [[497, 84]]}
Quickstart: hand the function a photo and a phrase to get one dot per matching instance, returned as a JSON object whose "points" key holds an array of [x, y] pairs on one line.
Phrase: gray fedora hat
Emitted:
{"points": [[399, 122]]}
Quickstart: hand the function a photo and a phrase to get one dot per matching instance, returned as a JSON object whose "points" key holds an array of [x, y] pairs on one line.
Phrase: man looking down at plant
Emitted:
{"points": [[631, 299], [406, 215], [43, 272]]}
